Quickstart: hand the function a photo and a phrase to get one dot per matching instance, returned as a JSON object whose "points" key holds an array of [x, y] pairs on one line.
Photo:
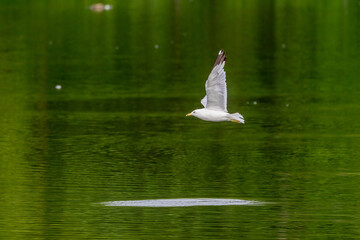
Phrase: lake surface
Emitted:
{"points": [[93, 110]]}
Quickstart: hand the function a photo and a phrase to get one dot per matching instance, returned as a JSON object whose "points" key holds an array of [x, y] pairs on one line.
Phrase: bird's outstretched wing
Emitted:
{"points": [[215, 86]]}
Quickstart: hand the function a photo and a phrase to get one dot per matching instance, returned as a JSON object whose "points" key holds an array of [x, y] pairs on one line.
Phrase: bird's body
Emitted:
{"points": [[217, 116], [211, 115], [215, 100]]}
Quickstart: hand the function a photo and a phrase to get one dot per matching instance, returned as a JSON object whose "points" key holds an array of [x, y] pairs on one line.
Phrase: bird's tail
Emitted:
{"points": [[237, 117]]}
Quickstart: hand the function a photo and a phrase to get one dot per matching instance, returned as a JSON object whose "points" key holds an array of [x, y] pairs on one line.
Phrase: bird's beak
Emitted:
{"points": [[189, 114]]}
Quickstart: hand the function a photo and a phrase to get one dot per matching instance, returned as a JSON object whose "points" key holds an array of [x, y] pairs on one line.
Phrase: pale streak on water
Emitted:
{"points": [[182, 202]]}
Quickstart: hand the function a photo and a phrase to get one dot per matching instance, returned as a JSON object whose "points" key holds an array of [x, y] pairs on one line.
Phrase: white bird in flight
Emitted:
{"points": [[215, 99]]}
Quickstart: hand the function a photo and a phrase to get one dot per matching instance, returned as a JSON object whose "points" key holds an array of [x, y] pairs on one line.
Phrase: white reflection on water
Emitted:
{"points": [[181, 202]]}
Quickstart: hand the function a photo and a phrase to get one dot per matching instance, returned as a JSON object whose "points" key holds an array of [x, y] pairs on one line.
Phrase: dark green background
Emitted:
{"points": [[117, 128]]}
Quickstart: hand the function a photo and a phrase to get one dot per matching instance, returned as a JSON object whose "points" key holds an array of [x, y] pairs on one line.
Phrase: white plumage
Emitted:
{"points": [[215, 100]]}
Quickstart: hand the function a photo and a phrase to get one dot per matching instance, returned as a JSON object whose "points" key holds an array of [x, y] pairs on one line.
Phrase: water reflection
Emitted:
{"points": [[99, 7]]}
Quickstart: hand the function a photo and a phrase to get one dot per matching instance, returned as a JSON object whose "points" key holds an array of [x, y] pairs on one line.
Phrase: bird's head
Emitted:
{"points": [[193, 113]]}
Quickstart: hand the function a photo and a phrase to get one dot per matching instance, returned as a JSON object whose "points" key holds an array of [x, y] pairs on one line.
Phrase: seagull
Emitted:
{"points": [[214, 102]]}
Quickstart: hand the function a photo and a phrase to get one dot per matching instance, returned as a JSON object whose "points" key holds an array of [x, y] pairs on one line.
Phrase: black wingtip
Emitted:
{"points": [[220, 58]]}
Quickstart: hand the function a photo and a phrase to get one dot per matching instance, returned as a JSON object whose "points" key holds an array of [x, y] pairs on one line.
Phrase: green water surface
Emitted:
{"points": [[117, 131]]}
